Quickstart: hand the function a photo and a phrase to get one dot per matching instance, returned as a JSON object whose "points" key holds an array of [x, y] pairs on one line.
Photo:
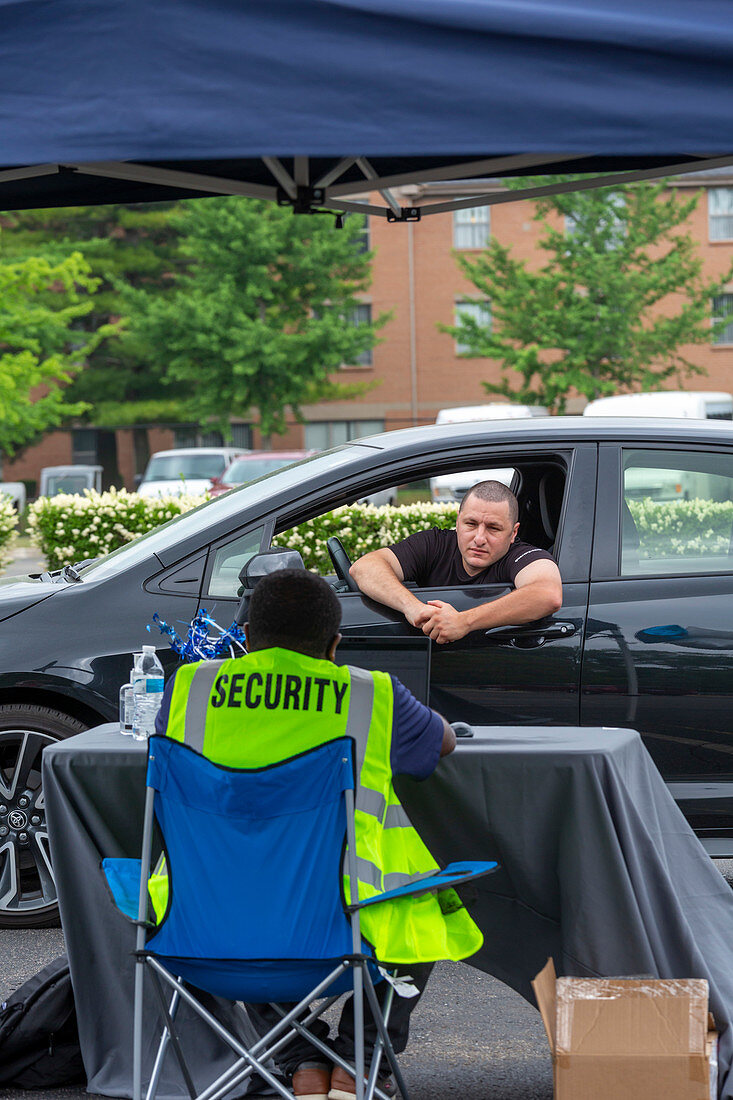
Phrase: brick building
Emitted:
{"points": [[418, 368]]}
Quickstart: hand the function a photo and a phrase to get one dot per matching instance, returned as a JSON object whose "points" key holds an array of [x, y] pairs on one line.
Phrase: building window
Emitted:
{"points": [[723, 307], [613, 222], [720, 214], [188, 435], [361, 314], [321, 435], [363, 240], [480, 312], [472, 227], [84, 446]]}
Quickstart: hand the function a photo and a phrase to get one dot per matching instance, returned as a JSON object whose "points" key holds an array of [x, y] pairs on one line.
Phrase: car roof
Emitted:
{"points": [[273, 454], [197, 451], [553, 429]]}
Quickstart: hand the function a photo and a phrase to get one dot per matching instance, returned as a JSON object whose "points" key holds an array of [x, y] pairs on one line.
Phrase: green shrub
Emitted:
{"points": [[68, 528], [361, 528], [682, 528], [8, 529]]}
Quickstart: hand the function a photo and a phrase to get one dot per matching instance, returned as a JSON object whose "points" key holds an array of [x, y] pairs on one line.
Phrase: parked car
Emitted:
{"points": [[188, 470], [16, 491], [643, 639], [69, 479], [690, 404], [452, 487], [255, 464]]}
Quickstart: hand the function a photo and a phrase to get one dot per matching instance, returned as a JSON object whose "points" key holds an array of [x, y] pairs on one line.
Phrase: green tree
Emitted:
{"points": [[124, 246], [42, 344], [261, 316], [612, 308]]}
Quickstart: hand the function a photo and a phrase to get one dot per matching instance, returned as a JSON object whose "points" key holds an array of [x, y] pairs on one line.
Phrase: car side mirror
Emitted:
{"points": [[259, 566]]}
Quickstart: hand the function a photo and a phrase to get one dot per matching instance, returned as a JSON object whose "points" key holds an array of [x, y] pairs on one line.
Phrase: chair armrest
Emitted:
{"points": [[455, 874]]}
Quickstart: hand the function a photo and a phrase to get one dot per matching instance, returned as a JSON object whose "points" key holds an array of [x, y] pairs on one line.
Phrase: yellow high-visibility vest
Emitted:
{"points": [[261, 709]]}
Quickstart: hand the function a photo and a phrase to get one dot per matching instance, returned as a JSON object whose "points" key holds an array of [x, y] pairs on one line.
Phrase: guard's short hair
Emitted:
{"points": [[294, 609], [494, 492]]}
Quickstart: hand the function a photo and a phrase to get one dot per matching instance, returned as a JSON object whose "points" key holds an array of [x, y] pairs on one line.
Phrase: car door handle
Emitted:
{"points": [[532, 636]]}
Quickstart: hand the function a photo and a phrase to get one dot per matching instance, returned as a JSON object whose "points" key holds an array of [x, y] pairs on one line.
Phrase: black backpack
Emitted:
{"points": [[39, 1039]]}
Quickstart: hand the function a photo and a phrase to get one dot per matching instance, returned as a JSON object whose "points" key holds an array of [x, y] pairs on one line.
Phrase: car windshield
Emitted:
{"points": [[172, 467], [252, 499], [248, 469]]}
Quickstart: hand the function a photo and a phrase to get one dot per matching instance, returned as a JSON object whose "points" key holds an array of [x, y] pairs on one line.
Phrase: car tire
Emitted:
{"points": [[27, 884]]}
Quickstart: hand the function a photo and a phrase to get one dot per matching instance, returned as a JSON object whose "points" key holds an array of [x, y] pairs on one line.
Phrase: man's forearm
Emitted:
{"points": [[523, 605], [378, 581]]}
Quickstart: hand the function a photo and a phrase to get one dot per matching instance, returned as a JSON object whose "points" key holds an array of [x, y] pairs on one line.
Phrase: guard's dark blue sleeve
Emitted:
{"points": [[161, 718], [417, 735]]}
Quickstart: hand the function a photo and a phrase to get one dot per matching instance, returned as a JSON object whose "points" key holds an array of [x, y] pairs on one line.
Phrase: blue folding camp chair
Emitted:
{"points": [[255, 909]]}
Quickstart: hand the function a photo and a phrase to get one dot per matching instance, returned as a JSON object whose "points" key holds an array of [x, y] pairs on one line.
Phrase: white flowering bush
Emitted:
{"points": [[69, 527], [684, 528], [361, 528], [8, 529]]}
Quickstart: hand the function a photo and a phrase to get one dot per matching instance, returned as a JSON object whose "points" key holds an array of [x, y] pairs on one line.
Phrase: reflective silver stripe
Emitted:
{"points": [[199, 693], [396, 818], [368, 873], [397, 879], [371, 802], [361, 703]]}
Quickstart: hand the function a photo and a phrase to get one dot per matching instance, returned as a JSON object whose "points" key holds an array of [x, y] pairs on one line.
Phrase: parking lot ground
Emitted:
{"points": [[25, 559], [471, 1036]]}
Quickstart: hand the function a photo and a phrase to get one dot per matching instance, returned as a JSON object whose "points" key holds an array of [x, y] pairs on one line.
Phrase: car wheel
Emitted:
{"points": [[27, 883]]}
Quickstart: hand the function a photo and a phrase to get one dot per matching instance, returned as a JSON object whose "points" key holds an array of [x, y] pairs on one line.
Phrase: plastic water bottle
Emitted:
{"points": [[127, 698], [147, 690]]}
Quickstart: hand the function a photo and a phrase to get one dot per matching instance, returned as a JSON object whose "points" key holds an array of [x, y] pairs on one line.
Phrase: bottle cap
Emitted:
{"points": [[148, 649]]}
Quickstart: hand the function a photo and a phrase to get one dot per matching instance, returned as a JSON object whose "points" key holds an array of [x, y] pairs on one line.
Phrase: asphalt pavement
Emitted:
{"points": [[471, 1036]]}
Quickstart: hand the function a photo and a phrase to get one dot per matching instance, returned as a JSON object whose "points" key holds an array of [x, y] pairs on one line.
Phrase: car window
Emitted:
{"points": [[249, 468], [229, 560], [171, 467], [677, 512]]}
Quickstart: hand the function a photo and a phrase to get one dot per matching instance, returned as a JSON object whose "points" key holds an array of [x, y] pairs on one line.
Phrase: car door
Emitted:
{"points": [[659, 647], [515, 675]]}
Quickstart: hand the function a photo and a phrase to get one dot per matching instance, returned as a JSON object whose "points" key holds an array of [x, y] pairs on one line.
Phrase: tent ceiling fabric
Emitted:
{"points": [[131, 101]]}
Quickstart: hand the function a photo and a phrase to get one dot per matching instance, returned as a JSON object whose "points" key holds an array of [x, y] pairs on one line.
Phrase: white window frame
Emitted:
{"points": [[480, 310], [720, 220], [472, 227]]}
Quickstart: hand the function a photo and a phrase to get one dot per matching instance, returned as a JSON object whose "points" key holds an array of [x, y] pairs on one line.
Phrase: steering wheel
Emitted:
{"points": [[341, 563]]}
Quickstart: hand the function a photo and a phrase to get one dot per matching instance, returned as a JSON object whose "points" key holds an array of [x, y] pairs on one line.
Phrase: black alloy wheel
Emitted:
{"points": [[27, 885]]}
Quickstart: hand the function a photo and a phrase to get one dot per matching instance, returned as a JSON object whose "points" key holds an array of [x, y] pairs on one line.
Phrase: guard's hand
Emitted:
{"points": [[444, 624]]}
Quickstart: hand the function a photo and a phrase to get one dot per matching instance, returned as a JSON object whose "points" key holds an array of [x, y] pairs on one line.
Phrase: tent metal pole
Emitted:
{"points": [[336, 171], [590, 183], [372, 175], [166, 177], [494, 166], [282, 176]]}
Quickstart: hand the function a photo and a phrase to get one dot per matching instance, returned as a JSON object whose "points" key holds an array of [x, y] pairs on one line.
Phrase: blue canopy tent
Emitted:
{"points": [[304, 101]]}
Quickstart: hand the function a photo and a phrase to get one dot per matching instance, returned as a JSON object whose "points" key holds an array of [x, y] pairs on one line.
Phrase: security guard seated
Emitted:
{"points": [[286, 696]]}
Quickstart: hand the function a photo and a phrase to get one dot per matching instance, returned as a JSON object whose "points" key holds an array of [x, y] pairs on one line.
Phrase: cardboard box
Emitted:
{"points": [[628, 1039]]}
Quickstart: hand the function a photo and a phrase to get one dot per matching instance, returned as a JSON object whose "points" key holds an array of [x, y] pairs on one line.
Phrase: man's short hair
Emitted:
{"points": [[494, 492], [294, 609]]}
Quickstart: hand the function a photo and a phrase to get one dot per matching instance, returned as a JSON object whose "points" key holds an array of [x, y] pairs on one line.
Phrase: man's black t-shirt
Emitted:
{"points": [[432, 559]]}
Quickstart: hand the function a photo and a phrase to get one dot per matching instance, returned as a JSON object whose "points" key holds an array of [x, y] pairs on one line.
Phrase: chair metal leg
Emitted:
{"points": [[359, 1030], [137, 1032], [173, 1035], [162, 1047], [384, 1034]]}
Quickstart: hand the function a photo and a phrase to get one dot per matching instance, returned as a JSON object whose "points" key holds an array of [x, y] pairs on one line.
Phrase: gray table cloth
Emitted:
{"points": [[600, 870]]}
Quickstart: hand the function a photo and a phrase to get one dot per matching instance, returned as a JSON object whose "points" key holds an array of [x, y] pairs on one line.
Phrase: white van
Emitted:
{"points": [[695, 405], [448, 488], [663, 484]]}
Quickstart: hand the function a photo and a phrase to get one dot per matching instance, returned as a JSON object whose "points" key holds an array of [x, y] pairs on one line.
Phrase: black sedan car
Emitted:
{"points": [[638, 514]]}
